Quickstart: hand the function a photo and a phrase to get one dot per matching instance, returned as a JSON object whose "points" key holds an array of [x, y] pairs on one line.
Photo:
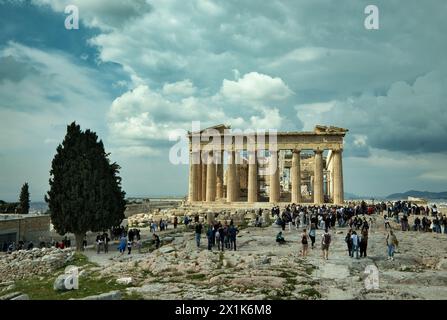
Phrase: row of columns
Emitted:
{"points": [[206, 178]]}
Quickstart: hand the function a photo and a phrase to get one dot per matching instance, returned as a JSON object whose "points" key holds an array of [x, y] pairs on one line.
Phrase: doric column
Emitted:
{"points": [[237, 158], [311, 182], [338, 177], [198, 175], [210, 179], [296, 176], [252, 187], [219, 176], [274, 177], [318, 177], [203, 166], [194, 182], [231, 178], [328, 184], [191, 179]]}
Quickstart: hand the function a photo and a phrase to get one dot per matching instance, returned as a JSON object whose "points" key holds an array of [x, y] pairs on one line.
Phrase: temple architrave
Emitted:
{"points": [[303, 167]]}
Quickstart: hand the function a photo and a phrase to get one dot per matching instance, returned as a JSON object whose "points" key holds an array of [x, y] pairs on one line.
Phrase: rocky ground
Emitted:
{"points": [[23, 263], [262, 269]]}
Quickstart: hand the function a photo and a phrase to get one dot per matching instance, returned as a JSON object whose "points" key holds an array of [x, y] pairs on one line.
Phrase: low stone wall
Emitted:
{"points": [[152, 205], [25, 263], [25, 227], [239, 216]]}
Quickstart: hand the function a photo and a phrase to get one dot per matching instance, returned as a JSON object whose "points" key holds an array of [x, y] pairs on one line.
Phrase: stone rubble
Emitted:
{"points": [[23, 263], [239, 216]]}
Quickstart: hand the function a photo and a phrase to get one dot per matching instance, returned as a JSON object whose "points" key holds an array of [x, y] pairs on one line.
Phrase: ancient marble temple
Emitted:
{"points": [[302, 167]]}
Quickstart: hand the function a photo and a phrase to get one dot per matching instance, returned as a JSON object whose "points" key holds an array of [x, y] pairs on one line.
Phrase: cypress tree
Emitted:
{"points": [[24, 199], [85, 188]]}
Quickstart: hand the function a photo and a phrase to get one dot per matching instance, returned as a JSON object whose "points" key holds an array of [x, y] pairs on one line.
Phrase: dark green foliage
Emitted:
{"points": [[24, 199], [85, 189], [9, 207]]}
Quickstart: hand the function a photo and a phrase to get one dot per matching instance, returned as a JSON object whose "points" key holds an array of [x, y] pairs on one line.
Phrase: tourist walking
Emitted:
{"points": [[304, 243], [325, 242], [312, 234], [355, 244], [106, 240], [198, 231], [129, 246], [226, 236], [363, 243], [99, 243], [391, 242], [233, 231], [348, 241], [209, 236], [386, 222], [220, 238], [122, 244]]}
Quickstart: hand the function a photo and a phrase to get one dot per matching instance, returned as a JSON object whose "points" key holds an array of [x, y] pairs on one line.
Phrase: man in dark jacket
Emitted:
{"points": [[198, 231], [233, 231]]}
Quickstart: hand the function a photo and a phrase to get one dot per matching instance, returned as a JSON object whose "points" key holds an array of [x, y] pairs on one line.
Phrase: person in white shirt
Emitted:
{"points": [[355, 244]]}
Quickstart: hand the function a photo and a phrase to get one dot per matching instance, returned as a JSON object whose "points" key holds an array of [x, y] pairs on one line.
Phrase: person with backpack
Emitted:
{"points": [[325, 242], [304, 243], [348, 241]]}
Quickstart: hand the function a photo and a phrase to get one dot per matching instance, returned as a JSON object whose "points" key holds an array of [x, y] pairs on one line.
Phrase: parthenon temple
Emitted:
{"points": [[302, 167]]}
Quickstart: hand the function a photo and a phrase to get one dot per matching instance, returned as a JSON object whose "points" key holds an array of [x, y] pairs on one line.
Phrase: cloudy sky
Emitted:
{"points": [[137, 69]]}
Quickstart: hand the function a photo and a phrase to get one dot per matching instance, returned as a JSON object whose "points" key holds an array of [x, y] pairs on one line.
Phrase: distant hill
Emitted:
{"points": [[352, 196], [418, 194]]}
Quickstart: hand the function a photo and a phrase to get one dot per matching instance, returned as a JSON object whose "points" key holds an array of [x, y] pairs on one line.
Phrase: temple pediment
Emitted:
{"points": [[329, 129]]}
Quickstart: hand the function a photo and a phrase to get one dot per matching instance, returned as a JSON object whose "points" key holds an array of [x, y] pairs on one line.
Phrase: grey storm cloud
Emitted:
{"points": [[13, 70], [214, 61], [410, 117]]}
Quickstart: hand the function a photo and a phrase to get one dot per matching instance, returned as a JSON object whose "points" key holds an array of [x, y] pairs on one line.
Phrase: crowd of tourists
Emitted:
{"points": [[357, 218], [426, 219], [221, 235], [312, 218], [10, 246]]}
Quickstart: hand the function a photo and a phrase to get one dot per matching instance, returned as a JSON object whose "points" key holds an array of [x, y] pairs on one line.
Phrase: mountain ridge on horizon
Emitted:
{"points": [[348, 196]]}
